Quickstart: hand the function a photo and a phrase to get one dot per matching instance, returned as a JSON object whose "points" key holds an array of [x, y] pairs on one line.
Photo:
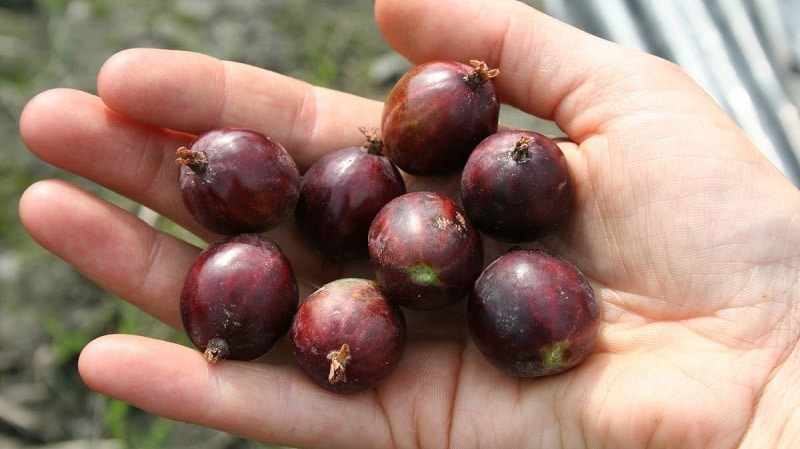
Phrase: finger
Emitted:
{"points": [[547, 68], [270, 403], [75, 131], [115, 249], [131, 259], [192, 92]]}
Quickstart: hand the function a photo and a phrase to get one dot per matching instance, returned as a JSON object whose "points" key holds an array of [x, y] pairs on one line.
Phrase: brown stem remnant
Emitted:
{"points": [[216, 349], [374, 144], [196, 160], [339, 360], [522, 149], [480, 74]]}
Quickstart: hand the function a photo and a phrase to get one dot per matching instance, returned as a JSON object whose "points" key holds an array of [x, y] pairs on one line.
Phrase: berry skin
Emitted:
{"points": [[236, 181], [533, 314], [516, 186], [347, 336], [341, 194], [425, 252], [436, 114], [238, 298]]}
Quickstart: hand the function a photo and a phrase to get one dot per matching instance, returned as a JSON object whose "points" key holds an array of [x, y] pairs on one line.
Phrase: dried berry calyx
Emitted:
{"points": [[339, 360], [196, 160], [374, 144], [522, 149], [480, 74], [216, 349]]}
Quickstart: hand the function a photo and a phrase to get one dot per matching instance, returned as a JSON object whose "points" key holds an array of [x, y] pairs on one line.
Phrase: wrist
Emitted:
{"points": [[776, 417]]}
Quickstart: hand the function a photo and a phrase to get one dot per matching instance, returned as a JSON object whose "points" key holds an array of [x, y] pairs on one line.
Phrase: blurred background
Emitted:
{"points": [[48, 312]]}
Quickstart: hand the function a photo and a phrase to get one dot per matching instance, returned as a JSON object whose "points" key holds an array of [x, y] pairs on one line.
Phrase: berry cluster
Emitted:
{"points": [[530, 312]]}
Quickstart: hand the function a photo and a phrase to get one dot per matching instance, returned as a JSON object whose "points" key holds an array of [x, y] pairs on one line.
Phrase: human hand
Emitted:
{"points": [[688, 235]]}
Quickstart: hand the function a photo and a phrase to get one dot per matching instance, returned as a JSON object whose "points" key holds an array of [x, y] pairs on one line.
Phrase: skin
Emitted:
{"points": [[689, 236]]}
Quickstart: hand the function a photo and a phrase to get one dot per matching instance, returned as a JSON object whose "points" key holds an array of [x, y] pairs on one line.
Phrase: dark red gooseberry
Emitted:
{"points": [[436, 114], [516, 186], [341, 194], [533, 313], [425, 252], [347, 336], [236, 181], [239, 297]]}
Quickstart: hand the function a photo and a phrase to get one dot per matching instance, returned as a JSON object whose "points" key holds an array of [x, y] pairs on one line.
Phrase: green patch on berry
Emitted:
{"points": [[422, 273], [555, 355]]}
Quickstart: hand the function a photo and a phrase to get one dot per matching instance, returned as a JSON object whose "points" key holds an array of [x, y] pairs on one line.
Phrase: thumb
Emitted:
{"points": [[547, 68]]}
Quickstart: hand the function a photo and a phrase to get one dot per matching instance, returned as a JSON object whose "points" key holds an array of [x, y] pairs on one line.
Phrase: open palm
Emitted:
{"points": [[690, 238]]}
